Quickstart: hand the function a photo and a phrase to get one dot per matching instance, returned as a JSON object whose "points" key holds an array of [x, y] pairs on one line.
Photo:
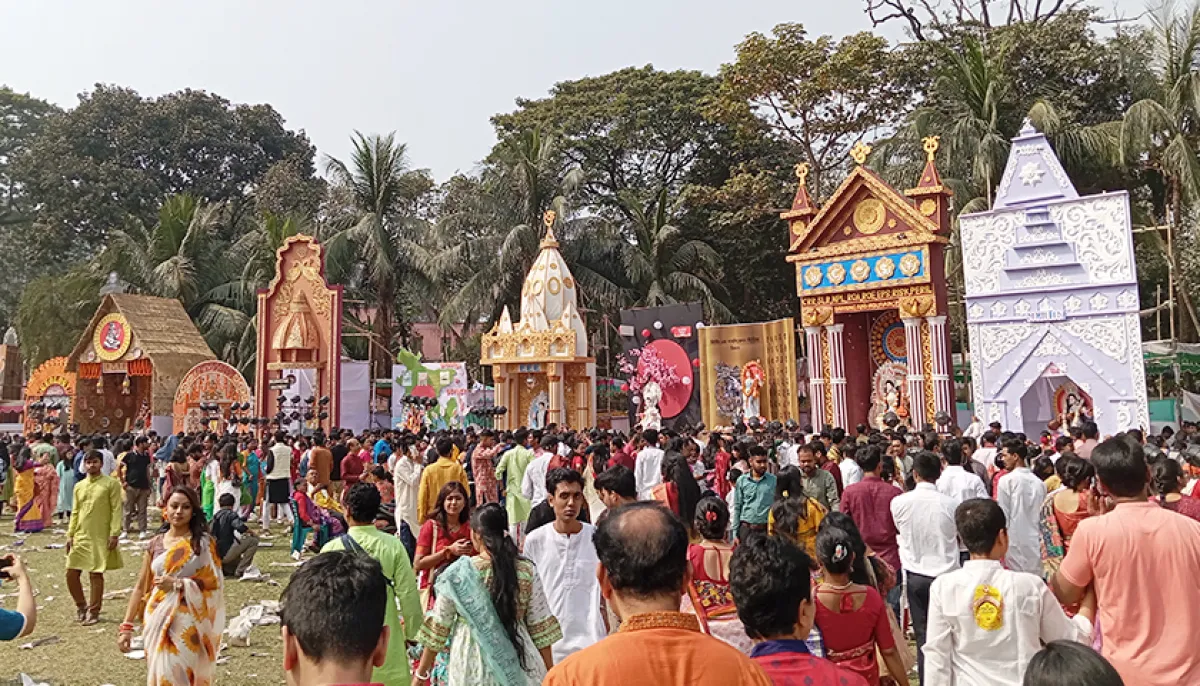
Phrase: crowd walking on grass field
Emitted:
{"points": [[745, 555]]}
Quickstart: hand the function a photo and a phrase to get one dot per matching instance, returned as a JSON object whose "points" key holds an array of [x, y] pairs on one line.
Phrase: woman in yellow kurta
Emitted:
{"points": [[92, 535], [182, 590]]}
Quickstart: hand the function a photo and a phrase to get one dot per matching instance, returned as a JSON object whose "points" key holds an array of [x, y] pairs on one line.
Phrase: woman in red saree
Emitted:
{"points": [[678, 491], [708, 595]]}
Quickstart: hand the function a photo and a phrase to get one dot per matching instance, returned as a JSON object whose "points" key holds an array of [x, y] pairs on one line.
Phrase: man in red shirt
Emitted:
{"points": [[869, 503], [332, 616], [823, 462]]}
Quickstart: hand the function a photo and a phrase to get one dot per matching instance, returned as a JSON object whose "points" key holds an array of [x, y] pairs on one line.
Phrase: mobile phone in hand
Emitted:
{"points": [[5, 562]]}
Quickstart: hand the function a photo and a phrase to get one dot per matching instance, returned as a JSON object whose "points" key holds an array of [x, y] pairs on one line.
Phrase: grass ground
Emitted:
{"points": [[88, 656]]}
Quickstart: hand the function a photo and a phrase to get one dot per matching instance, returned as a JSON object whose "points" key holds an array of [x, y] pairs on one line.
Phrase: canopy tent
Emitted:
{"points": [[1160, 357]]}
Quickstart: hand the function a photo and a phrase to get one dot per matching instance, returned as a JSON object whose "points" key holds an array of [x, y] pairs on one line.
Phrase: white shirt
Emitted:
{"points": [[958, 652], [406, 479], [647, 471], [851, 472], [109, 465], [985, 457], [533, 484], [975, 430], [283, 462], [960, 484], [789, 454], [566, 566], [928, 540], [1020, 494]]}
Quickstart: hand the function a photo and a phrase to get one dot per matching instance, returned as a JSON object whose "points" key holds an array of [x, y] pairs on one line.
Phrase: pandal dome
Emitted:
{"points": [[548, 297]]}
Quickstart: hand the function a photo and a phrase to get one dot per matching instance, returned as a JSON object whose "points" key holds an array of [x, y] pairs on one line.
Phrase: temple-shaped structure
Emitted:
{"points": [[872, 287], [540, 364], [1052, 300]]}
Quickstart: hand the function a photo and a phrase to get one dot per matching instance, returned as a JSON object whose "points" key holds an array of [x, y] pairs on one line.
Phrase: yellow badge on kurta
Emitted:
{"points": [[988, 607]]}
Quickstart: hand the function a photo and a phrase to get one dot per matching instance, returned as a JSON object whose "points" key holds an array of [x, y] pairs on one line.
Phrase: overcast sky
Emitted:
{"points": [[434, 71]]}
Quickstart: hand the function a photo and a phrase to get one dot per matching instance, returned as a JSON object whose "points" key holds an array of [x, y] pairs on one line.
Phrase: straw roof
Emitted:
{"points": [[163, 331]]}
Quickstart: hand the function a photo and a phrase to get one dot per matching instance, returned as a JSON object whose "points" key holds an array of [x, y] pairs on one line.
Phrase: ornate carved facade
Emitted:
{"points": [[540, 365], [299, 331], [871, 261], [1052, 296]]}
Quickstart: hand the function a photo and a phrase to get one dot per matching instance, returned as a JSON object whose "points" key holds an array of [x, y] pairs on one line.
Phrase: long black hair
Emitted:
{"points": [[843, 521], [675, 468], [197, 525], [490, 523]]}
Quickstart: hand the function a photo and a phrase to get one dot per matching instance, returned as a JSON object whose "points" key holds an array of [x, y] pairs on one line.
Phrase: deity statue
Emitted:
{"points": [[752, 381], [651, 418], [537, 411]]}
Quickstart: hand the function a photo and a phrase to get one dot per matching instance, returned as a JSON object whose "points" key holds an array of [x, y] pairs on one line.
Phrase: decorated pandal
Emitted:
{"points": [[870, 276], [1052, 300], [540, 364], [49, 396], [129, 362], [299, 321], [208, 395]]}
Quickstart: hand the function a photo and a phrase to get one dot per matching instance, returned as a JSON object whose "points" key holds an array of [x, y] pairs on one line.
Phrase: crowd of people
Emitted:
{"points": [[764, 554]]}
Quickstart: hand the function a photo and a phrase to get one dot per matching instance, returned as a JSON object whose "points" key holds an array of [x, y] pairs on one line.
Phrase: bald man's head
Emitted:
{"points": [[643, 548]]}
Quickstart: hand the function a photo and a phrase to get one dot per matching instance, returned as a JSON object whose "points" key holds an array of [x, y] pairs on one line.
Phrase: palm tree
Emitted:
{"points": [[181, 257], [1160, 134], [374, 249], [491, 234], [663, 267]]}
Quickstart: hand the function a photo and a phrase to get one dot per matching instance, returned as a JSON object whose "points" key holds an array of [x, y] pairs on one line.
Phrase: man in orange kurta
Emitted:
{"points": [[644, 568], [437, 475], [321, 459]]}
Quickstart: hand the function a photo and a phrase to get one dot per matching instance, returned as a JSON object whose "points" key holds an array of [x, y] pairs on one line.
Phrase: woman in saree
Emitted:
{"points": [[708, 595], [45, 483], [678, 491], [1064, 508], [492, 613], [182, 592], [29, 512]]}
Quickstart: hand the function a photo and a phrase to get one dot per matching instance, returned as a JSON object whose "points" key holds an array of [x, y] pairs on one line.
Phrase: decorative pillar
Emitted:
{"points": [[943, 389], [837, 375], [500, 399], [816, 377], [915, 378], [557, 397]]}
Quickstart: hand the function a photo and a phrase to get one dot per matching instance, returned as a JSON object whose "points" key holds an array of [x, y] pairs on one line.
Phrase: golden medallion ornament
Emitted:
{"points": [[554, 285], [885, 268], [860, 270], [859, 153], [928, 207], [798, 228], [813, 276], [910, 264], [837, 274], [869, 216], [988, 608], [112, 337]]}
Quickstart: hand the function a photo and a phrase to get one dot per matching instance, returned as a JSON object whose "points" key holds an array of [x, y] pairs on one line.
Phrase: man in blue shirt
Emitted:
{"points": [[752, 496], [383, 448], [19, 623]]}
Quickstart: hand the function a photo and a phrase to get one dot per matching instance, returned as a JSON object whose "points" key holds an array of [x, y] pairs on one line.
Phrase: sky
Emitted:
{"points": [[434, 72]]}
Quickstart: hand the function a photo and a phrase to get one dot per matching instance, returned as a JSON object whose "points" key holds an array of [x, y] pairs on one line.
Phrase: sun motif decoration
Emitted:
{"points": [[111, 339], [1032, 173], [869, 216], [860, 270], [812, 276], [837, 274], [928, 207], [885, 268]]}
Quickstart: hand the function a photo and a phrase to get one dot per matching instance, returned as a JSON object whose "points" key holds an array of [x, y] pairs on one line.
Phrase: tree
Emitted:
{"points": [[932, 19], [118, 154], [817, 96], [53, 312], [375, 249], [636, 130], [22, 118], [664, 267]]}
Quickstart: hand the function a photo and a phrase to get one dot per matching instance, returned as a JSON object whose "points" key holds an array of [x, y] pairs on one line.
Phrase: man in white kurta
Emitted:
{"points": [[566, 564], [647, 467], [1020, 494], [986, 622]]}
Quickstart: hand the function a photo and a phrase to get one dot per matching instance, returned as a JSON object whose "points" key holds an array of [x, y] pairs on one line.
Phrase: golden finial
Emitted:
{"points": [[802, 173], [859, 153], [548, 218], [930, 144], [550, 241]]}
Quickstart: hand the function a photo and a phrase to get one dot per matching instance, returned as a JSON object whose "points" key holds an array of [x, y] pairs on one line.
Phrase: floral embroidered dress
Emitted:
{"points": [[464, 618], [709, 598], [182, 628]]}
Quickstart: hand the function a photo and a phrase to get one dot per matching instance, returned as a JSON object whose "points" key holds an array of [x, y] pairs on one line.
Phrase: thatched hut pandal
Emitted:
{"points": [[130, 361]]}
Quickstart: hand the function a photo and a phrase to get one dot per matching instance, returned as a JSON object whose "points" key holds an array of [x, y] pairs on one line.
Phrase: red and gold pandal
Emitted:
{"points": [[299, 326], [872, 251]]}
